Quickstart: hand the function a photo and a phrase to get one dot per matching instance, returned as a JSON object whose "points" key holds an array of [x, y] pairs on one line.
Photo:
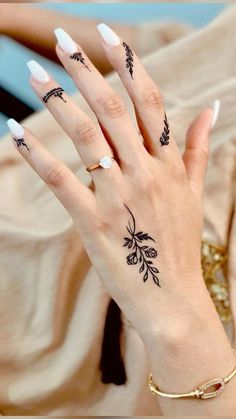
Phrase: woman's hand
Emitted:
{"points": [[141, 222]]}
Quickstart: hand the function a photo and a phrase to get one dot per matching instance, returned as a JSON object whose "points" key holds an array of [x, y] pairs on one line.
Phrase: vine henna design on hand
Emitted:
{"points": [[79, 57], [141, 254], [129, 59], [165, 136], [20, 142], [56, 92]]}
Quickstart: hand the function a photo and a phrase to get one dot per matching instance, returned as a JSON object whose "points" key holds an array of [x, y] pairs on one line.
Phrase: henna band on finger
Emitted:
{"points": [[56, 92]]}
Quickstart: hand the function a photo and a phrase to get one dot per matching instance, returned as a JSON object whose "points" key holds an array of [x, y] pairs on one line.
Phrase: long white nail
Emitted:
{"points": [[108, 35], [65, 41], [16, 129], [216, 111], [38, 71]]}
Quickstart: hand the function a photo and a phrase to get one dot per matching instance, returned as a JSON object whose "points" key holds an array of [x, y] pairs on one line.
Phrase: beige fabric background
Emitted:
{"points": [[52, 304]]}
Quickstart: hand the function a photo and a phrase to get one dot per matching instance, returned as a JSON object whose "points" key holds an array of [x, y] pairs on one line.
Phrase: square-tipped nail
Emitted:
{"points": [[38, 71], [108, 35], [216, 111], [65, 42], [16, 129]]}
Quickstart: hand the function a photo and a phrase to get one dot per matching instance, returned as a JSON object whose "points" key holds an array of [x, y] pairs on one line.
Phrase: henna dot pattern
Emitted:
{"points": [[129, 59], [139, 252], [79, 57]]}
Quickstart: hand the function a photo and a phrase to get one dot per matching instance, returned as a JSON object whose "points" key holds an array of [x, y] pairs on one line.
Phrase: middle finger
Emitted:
{"points": [[106, 104]]}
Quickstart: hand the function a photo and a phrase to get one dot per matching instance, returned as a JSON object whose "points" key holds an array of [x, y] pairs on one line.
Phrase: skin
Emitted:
{"points": [[164, 192], [33, 27]]}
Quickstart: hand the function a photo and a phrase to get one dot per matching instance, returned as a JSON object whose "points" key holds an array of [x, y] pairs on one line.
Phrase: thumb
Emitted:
{"points": [[196, 152]]}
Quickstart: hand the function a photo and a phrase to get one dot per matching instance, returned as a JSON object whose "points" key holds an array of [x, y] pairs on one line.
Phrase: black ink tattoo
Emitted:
{"points": [[129, 59], [141, 254], [56, 92], [21, 142], [79, 57], [165, 136]]}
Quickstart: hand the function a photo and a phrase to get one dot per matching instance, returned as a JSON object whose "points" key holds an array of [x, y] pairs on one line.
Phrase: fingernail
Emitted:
{"points": [[108, 35], [216, 111], [38, 71], [65, 41], [16, 129]]}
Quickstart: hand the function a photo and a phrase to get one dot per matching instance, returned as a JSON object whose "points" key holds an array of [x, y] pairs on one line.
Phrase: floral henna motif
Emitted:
{"points": [[141, 253], [165, 136], [79, 57], [129, 59], [21, 142]]}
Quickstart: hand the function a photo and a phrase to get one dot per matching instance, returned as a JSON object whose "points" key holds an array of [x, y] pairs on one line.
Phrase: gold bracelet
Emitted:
{"points": [[198, 392]]}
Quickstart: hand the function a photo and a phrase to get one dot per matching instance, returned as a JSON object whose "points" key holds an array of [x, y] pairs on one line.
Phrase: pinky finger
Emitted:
{"points": [[73, 195]]}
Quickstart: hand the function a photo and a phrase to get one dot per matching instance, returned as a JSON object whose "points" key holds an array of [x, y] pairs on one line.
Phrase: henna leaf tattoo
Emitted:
{"points": [[165, 136], [79, 57], [21, 142], [56, 92], [129, 59], [140, 253]]}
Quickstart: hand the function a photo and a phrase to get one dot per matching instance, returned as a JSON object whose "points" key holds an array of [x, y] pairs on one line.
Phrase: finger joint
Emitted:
{"points": [[87, 133], [113, 106], [56, 176], [152, 98]]}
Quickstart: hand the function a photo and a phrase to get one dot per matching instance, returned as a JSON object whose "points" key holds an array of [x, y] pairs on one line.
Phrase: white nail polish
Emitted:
{"points": [[108, 35], [216, 111], [16, 129], [38, 72], [65, 41]]}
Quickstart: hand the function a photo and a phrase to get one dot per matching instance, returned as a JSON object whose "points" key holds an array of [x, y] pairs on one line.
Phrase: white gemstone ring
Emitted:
{"points": [[105, 162]]}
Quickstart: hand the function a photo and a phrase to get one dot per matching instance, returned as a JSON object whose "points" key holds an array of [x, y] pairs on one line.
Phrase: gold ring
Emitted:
{"points": [[105, 162]]}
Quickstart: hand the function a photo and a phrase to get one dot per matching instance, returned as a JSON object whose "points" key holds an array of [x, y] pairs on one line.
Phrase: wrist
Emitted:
{"points": [[179, 309], [193, 312], [189, 349]]}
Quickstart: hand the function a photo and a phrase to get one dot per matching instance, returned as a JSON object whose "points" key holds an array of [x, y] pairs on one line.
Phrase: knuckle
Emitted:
{"points": [[87, 132], [176, 171], [152, 98], [113, 106], [147, 182], [56, 176]]}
